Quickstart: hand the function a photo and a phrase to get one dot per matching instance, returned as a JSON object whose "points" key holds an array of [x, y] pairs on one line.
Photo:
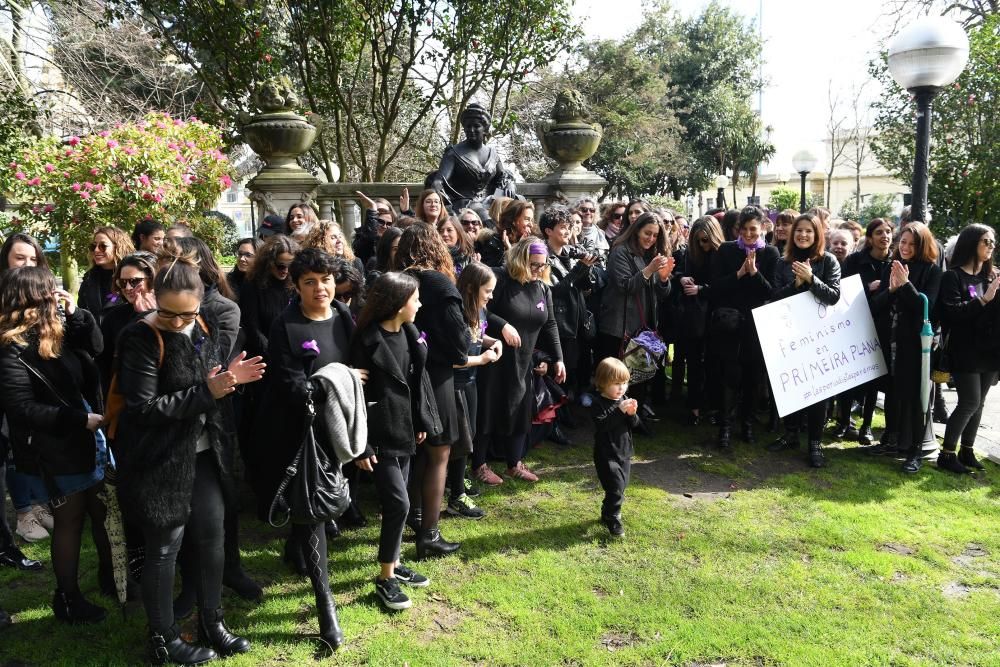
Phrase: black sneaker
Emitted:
{"points": [[407, 576], [615, 526], [391, 596], [471, 489], [465, 508]]}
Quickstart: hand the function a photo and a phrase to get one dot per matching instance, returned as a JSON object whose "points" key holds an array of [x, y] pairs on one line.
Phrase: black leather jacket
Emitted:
{"points": [[825, 285]]}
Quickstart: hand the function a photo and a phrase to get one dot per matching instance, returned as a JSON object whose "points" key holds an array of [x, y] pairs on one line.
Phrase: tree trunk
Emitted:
{"points": [[69, 272]]}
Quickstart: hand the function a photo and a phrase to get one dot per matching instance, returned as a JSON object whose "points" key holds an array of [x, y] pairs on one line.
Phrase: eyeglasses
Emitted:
{"points": [[245, 255], [383, 223], [103, 247], [587, 210], [131, 283], [472, 223], [617, 216], [171, 315], [537, 266], [281, 267], [989, 243]]}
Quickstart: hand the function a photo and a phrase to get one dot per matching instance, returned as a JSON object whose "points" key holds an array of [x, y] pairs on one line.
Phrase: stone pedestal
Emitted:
{"points": [[275, 190], [574, 183]]}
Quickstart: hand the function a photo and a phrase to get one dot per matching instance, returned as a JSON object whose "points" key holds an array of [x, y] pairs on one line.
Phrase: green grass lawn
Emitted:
{"points": [[746, 558]]}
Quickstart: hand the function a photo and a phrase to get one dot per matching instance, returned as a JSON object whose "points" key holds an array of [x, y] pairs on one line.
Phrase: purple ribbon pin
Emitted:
{"points": [[311, 345], [423, 338], [482, 328], [541, 305], [972, 291]]}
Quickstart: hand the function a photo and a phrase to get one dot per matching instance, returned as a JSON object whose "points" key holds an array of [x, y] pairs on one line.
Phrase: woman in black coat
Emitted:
{"points": [[899, 318], [133, 289], [246, 252], [967, 305], [108, 247], [279, 425], [741, 275], [176, 451], [521, 312], [806, 267], [51, 396], [690, 293], [639, 271], [423, 254], [267, 291], [869, 262]]}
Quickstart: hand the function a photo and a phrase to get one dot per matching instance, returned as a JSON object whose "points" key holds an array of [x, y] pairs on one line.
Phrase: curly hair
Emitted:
{"points": [[421, 249], [609, 210], [319, 237], [511, 214], [121, 241], [28, 309], [278, 244]]}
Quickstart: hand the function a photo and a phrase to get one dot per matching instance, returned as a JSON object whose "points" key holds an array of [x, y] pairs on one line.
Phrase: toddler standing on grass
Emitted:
{"points": [[614, 418]]}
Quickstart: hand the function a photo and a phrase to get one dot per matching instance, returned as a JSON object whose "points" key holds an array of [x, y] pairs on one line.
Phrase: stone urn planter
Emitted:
{"points": [[278, 134], [569, 138]]}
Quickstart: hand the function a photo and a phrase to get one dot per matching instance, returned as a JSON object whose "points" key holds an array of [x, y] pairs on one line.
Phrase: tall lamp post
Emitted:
{"points": [[721, 182], [803, 162], [924, 58]]}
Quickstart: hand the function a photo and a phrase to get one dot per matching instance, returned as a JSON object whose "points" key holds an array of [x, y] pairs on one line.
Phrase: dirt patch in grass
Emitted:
{"points": [[436, 618], [710, 476], [618, 639], [899, 549], [955, 590]]}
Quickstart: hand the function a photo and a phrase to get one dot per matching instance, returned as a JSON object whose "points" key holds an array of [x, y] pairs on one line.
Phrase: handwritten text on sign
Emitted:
{"points": [[814, 352]]}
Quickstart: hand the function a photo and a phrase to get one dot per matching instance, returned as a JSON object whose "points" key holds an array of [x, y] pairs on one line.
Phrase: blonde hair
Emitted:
{"points": [[121, 241], [318, 237], [28, 309], [610, 371], [518, 261]]}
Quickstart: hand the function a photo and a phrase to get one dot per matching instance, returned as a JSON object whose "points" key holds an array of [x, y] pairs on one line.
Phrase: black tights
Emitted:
{"points": [[67, 534], [456, 477], [426, 487], [205, 528], [311, 538]]}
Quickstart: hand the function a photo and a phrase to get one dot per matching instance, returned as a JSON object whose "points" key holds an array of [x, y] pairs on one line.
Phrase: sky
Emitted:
{"points": [[807, 44]]}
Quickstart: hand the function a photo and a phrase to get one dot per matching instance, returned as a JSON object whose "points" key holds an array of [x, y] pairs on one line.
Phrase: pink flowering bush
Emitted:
{"points": [[161, 167]]}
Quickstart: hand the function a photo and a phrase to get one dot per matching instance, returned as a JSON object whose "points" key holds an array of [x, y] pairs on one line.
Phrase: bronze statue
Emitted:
{"points": [[472, 170]]}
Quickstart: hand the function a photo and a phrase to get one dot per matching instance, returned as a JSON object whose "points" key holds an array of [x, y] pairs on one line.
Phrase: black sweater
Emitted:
{"points": [[748, 292], [962, 316], [612, 427]]}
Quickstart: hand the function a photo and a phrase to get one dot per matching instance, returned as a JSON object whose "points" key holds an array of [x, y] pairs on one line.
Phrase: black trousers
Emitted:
{"points": [[810, 419], [391, 474], [205, 530], [614, 466], [690, 352], [964, 421]]}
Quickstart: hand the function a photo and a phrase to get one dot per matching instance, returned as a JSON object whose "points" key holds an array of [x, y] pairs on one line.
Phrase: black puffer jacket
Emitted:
{"points": [[43, 400], [825, 285], [166, 410]]}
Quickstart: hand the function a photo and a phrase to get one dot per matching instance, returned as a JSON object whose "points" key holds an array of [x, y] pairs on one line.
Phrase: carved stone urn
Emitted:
{"points": [[277, 133], [569, 138]]}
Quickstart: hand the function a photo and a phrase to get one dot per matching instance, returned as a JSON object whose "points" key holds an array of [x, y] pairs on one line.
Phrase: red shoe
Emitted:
{"points": [[485, 475], [520, 472]]}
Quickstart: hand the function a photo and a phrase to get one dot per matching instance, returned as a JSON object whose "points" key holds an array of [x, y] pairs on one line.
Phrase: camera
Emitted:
{"points": [[576, 252]]}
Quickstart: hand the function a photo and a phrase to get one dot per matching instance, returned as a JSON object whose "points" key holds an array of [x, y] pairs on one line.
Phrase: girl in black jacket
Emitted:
{"points": [[175, 448], [108, 247], [51, 396], [899, 317], [741, 275], [806, 267], [401, 414], [967, 301]]}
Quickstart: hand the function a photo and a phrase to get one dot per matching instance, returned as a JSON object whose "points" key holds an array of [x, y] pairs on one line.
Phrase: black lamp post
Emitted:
{"points": [[721, 181], [803, 162]]}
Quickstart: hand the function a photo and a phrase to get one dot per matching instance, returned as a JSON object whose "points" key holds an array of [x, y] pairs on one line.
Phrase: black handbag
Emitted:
{"points": [[313, 490], [725, 321]]}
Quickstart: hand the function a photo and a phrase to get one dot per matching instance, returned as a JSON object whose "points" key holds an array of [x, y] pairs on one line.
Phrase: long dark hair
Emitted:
{"points": [[8, 245], [421, 249], [870, 230], [278, 244], [630, 237], [28, 308], [383, 249], [210, 271], [710, 226], [179, 276], [144, 228], [389, 293], [967, 247], [819, 240], [473, 277]]}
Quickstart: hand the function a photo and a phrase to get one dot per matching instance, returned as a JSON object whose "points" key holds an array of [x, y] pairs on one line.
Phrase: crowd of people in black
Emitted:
{"points": [[463, 339]]}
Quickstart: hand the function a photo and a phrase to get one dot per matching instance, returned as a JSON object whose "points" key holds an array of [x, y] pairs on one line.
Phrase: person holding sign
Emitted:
{"points": [[806, 267], [741, 275], [899, 316]]}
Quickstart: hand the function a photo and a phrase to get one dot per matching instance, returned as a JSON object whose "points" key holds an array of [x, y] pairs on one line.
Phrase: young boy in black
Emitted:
{"points": [[614, 418]]}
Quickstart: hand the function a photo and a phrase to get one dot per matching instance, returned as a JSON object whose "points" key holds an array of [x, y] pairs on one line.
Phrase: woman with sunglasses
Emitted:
{"points": [[246, 252], [267, 291], [51, 397], [591, 237], [108, 247], [379, 216], [176, 445], [133, 298], [521, 312], [613, 221]]}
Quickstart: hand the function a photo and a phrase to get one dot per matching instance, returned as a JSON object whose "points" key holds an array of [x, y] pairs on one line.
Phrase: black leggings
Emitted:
{"points": [[311, 538], [67, 534], [691, 352], [391, 473], [964, 421], [810, 419], [205, 528]]}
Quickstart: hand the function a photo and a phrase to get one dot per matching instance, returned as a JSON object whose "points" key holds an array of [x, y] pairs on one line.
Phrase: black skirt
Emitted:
{"points": [[443, 382]]}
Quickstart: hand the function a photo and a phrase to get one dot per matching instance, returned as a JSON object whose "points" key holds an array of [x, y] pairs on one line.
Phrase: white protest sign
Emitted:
{"points": [[814, 352]]}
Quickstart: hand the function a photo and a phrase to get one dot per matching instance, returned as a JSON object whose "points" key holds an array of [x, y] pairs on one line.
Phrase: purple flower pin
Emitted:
{"points": [[112, 298], [423, 338], [482, 328], [311, 345], [972, 291], [541, 305]]}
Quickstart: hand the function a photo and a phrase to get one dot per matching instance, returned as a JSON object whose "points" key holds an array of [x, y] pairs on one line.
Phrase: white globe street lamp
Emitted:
{"points": [[721, 183], [803, 162], [923, 58]]}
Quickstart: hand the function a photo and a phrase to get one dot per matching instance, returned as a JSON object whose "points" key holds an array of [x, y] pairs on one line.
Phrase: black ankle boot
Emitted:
{"points": [[240, 582], [865, 436], [746, 433], [816, 459], [294, 557], [967, 457], [75, 609], [168, 647], [724, 438], [415, 520], [788, 441], [948, 460], [212, 630], [430, 544], [329, 625]]}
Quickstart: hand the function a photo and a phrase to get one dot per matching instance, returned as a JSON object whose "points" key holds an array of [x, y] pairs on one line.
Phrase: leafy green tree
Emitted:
{"points": [[965, 128], [782, 198]]}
